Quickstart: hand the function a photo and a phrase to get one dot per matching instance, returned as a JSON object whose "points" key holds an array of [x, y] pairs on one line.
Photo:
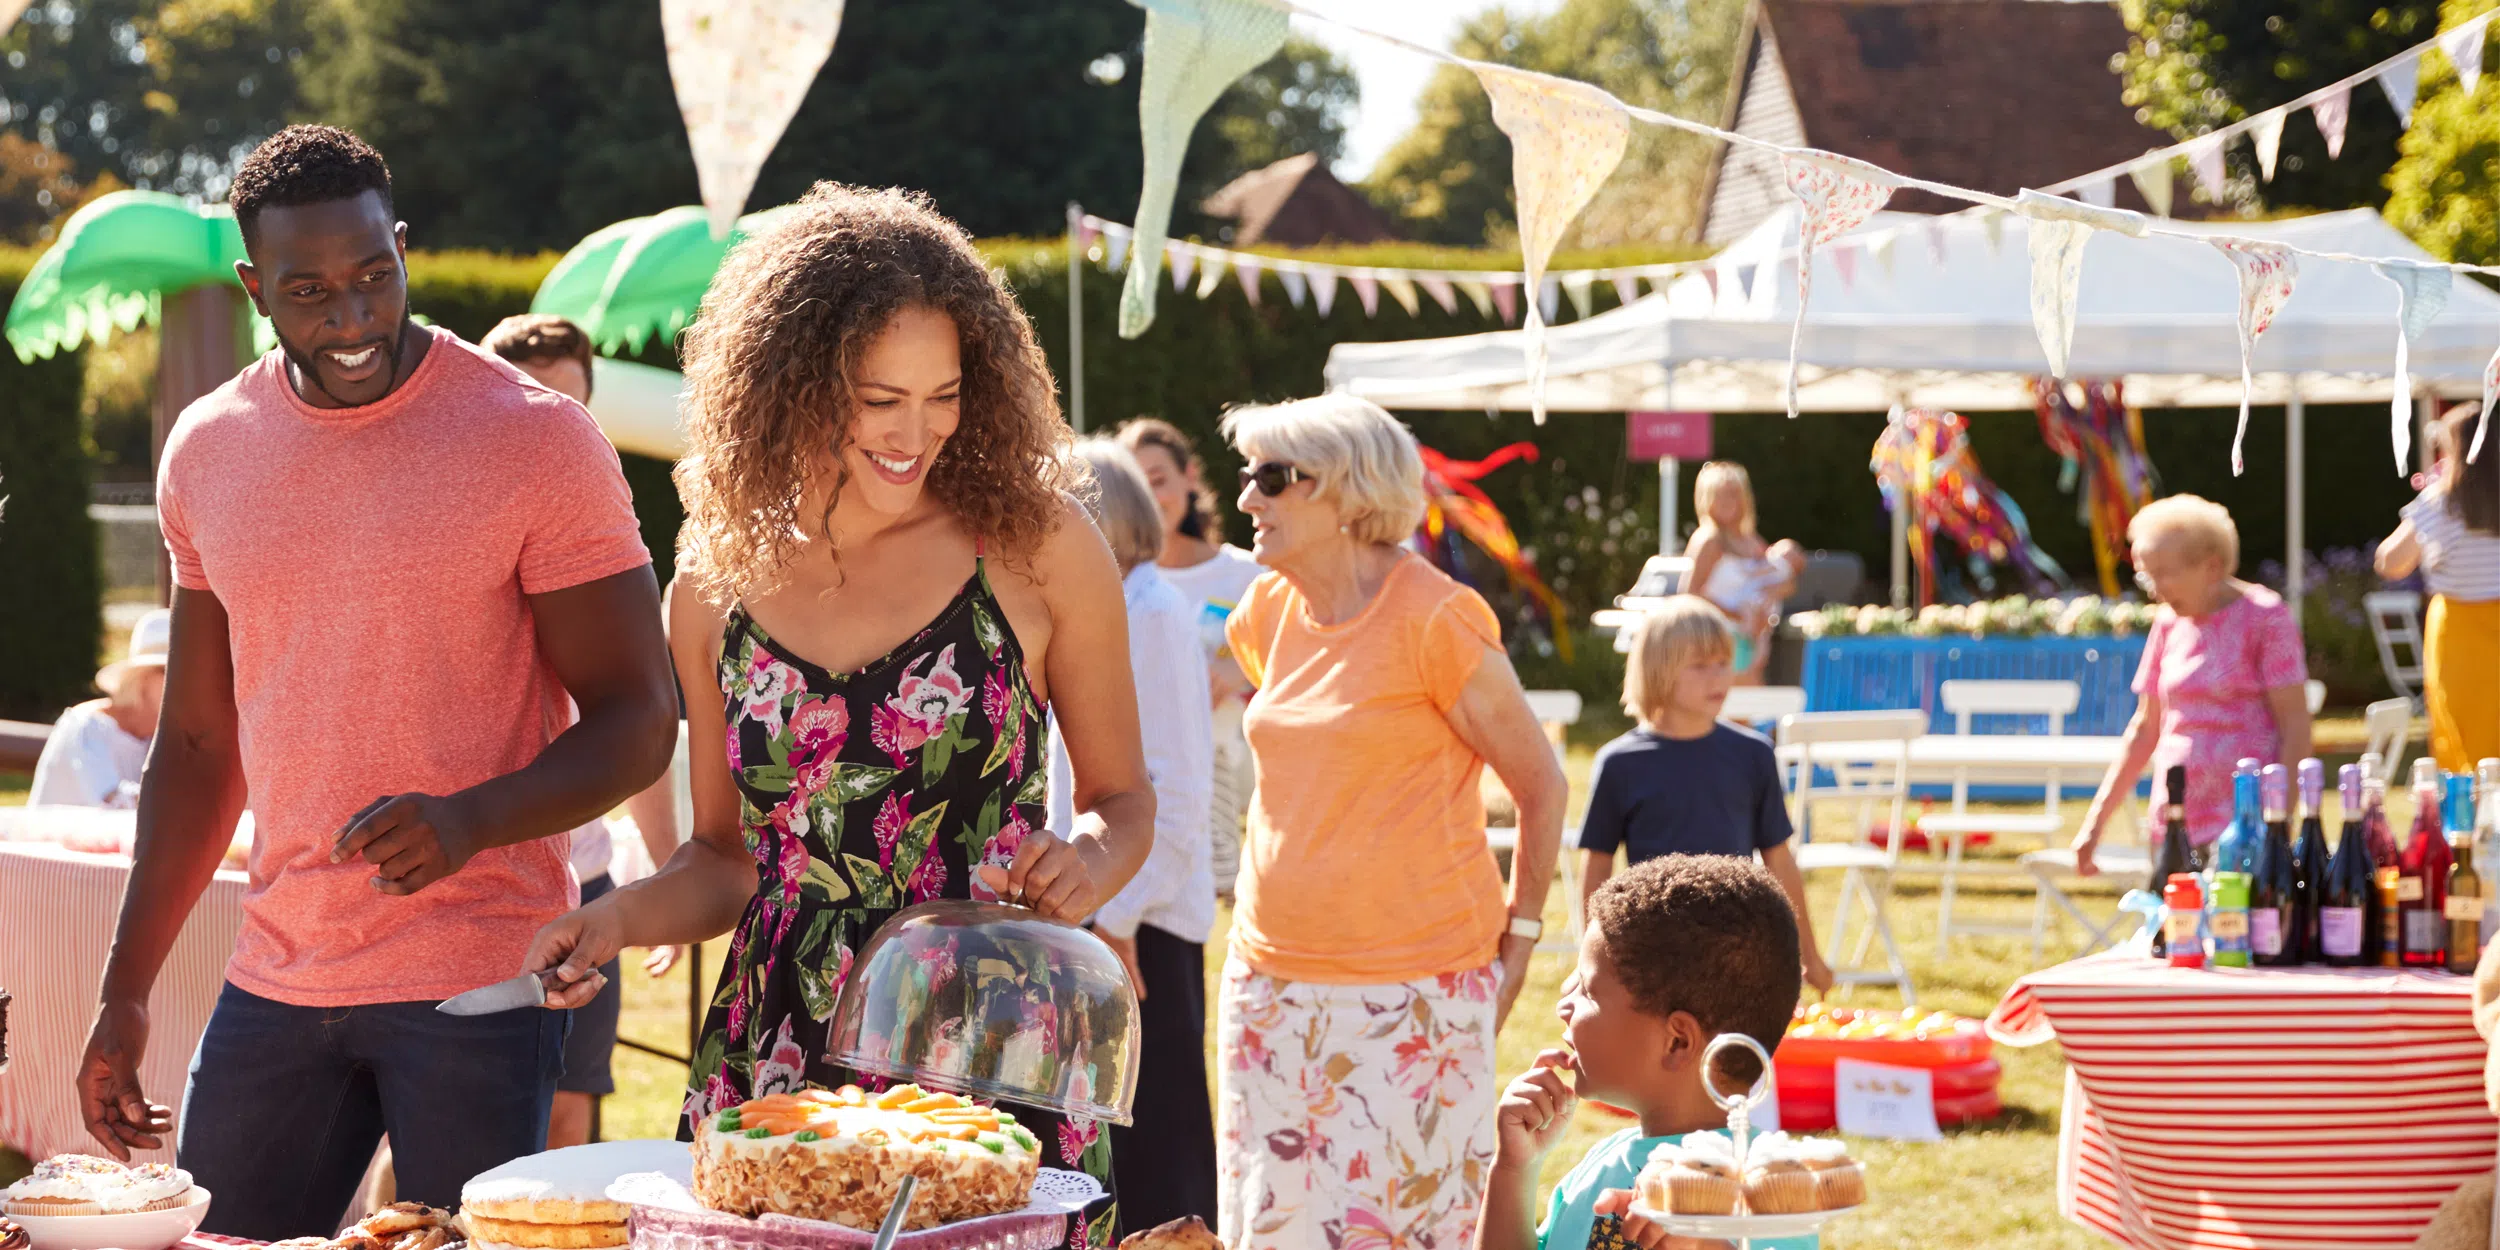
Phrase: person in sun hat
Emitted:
{"points": [[96, 750]]}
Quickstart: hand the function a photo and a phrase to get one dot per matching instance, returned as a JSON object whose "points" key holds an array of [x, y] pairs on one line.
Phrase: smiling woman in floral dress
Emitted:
{"points": [[882, 585]]}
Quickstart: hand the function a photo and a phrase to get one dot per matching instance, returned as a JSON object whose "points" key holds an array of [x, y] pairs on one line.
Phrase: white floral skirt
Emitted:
{"points": [[1353, 1117]]}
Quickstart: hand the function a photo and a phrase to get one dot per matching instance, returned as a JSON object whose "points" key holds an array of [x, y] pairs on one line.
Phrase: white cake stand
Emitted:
{"points": [[1741, 1229]]}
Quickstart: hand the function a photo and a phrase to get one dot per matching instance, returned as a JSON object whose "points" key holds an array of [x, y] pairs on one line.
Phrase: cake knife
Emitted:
{"points": [[893, 1226], [526, 990]]}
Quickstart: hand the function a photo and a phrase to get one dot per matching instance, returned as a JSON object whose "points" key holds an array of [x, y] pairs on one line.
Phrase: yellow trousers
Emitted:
{"points": [[2461, 680]]}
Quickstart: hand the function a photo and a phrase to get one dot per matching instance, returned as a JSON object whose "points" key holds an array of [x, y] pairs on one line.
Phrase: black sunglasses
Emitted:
{"points": [[1273, 477]]}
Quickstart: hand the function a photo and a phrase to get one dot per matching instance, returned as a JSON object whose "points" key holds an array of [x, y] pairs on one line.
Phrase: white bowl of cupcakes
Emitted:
{"points": [[82, 1202], [1698, 1186]]}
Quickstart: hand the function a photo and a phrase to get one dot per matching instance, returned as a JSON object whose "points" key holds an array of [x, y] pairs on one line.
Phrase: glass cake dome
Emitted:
{"points": [[994, 1001]]}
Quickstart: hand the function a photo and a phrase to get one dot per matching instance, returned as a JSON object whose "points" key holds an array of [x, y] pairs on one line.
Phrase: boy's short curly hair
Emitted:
{"points": [[305, 165], [1711, 935]]}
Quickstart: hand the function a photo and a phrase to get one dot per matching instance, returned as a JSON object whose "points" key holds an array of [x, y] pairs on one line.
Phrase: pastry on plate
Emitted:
{"points": [[13, 1237], [558, 1200], [91, 1185], [1839, 1181], [1186, 1233], [840, 1155], [1688, 1181]]}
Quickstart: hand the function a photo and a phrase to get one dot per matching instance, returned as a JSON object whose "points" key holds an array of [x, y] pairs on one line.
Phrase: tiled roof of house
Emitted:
{"points": [[1297, 202]]}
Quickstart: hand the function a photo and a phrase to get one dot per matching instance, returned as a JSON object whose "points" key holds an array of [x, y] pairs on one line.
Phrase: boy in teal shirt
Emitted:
{"points": [[1678, 950]]}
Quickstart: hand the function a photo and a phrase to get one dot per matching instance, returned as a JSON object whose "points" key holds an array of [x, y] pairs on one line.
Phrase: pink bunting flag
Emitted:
{"points": [[2332, 111], [1838, 195], [1566, 138], [1247, 271], [1184, 260], [1627, 287], [2266, 275], [1506, 298], [1845, 259], [1710, 278], [1442, 293], [1366, 289]]}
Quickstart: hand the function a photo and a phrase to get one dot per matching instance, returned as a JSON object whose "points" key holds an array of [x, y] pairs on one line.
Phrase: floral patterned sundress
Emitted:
{"points": [[860, 794]]}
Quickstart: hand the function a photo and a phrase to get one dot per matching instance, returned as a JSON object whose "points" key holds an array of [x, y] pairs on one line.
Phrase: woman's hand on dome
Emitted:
{"points": [[1050, 876]]}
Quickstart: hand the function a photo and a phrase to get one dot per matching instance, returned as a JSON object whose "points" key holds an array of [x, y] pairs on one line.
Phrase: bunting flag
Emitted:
{"points": [[2152, 181], [740, 68], [1481, 295], [1710, 279], [1247, 270], [1549, 300], [2101, 194], [1324, 291], [2268, 136], [1366, 289], [2464, 47], [2331, 111], [2204, 155], [2266, 275], [1506, 298], [1627, 288], [1838, 195], [1296, 286], [1115, 249], [1210, 275], [2056, 277], [1184, 260], [1881, 247], [1403, 292], [1934, 230], [2491, 392], [2402, 81], [1194, 49], [1845, 259], [1444, 294], [2421, 292], [1993, 222], [1565, 140], [1581, 288]]}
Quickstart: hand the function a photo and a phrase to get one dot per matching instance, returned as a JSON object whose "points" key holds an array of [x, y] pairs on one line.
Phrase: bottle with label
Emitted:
{"points": [[2185, 903], [2227, 915], [2236, 849], [2309, 859], [2347, 899], [2464, 906], [2389, 932], [2172, 857], [2422, 874], [2487, 838], [2274, 916]]}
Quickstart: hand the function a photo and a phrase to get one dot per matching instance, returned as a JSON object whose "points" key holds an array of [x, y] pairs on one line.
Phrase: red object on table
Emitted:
{"points": [[2224, 1109]]}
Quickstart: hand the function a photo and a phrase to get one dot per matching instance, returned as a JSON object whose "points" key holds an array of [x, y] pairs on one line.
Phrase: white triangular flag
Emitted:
{"points": [[1581, 288], [1210, 273], [1296, 286], [1881, 247], [2204, 155], [1442, 293], [2152, 181], [2266, 274], [1366, 289], [2421, 292], [2331, 111], [1323, 290], [1993, 222], [741, 68], [2402, 81], [1627, 287], [2101, 194], [1934, 230], [1549, 300], [2464, 47], [2491, 393], [2056, 276], [1479, 294], [1566, 138], [1184, 260], [2267, 133], [1403, 292], [1247, 270], [1115, 249]]}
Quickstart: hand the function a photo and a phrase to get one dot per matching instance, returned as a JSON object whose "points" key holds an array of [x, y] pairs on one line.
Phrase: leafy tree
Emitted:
{"points": [[2192, 65], [38, 186], [2444, 181], [1450, 175]]}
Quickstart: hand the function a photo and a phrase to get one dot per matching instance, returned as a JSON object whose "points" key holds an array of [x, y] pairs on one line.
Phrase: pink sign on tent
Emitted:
{"points": [[1668, 435]]}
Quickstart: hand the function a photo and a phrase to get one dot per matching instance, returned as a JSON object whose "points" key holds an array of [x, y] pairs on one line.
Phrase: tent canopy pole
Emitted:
{"points": [[2295, 497]]}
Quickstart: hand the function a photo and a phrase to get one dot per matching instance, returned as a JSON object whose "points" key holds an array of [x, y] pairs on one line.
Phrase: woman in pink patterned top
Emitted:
{"points": [[2223, 675]]}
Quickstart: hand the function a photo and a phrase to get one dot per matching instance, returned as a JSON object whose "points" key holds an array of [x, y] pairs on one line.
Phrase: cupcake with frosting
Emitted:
{"points": [[1838, 1179], [147, 1187], [1696, 1178], [1777, 1180]]}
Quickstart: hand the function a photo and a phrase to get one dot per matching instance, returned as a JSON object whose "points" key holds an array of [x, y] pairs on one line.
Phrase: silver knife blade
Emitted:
{"points": [[525, 990]]}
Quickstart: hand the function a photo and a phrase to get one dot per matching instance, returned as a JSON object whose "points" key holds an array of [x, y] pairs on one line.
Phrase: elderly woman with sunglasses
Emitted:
{"points": [[1374, 950]]}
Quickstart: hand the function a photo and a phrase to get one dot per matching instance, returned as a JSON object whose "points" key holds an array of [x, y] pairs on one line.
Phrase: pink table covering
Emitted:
{"points": [[2230, 1109], [57, 910]]}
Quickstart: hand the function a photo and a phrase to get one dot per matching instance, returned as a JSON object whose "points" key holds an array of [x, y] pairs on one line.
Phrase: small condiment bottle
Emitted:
{"points": [[2187, 907]]}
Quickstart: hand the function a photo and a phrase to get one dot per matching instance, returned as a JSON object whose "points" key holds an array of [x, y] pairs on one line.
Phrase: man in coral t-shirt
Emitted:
{"points": [[399, 565]]}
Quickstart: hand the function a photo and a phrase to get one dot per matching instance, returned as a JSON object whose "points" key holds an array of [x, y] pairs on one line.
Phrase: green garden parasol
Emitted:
{"points": [[116, 261], [642, 276]]}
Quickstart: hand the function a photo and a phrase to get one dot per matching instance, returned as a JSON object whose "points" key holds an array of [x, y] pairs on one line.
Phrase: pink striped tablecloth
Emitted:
{"points": [[2231, 1109], [57, 910]]}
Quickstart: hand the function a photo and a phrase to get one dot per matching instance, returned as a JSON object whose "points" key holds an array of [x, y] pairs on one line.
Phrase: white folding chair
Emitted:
{"points": [[1555, 710], [1761, 705], [2390, 725], [2396, 626], [1864, 777], [2052, 869], [2055, 700]]}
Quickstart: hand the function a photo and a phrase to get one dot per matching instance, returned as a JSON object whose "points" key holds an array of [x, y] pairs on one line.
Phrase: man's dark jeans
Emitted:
{"points": [[285, 1105]]}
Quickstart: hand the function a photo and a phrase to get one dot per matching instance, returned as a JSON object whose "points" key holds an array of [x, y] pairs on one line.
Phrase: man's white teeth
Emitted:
{"points": [[891, 465], [356, 361]]}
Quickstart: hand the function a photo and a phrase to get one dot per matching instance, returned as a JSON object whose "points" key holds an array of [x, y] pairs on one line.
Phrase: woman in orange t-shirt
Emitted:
{"points": [[1374, 954]]}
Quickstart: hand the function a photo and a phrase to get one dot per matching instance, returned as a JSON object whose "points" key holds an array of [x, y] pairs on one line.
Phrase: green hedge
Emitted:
{"points": [[52, 618]]}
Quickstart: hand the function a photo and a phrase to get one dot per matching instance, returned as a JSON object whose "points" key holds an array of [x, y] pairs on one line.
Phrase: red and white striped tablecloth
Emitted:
{"points": [[57, 910], [2231, 1109]]}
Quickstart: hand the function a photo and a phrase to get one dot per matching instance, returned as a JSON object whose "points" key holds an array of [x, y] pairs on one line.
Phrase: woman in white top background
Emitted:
{"points": [[1732, 566], [97, 749], [1213, 575], [1160, 921], [2451, 532]]}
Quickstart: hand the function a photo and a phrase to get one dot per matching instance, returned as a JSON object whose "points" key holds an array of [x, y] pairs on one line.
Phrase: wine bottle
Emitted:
{"points": [[2464, 906], [2345, 904], [2309, 858], [2171, 857], [2422, 874], [2389, 952], [2274, 916]]}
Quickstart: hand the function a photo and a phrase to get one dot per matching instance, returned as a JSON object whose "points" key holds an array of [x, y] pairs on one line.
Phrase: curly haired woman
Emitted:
{"points": [[881, 585]]}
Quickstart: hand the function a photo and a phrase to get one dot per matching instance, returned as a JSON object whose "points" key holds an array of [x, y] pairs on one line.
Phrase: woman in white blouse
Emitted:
{"points": [[97, 749], [1159, 923], [2451, 531]]}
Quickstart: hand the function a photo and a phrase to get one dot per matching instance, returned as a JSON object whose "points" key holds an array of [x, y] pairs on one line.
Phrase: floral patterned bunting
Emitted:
{"points": [[1565, 140], [1194, 49], [740, 67], [1838, 194], [2421, 294], [2266, 274]]}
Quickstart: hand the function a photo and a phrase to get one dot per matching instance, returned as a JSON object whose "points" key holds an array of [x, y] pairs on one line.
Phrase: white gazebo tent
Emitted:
{"points": [[1936, 311]]}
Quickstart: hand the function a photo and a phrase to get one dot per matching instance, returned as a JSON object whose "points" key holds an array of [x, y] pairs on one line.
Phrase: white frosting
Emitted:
{"points": [[152, 1183], [77, 1188], [1666, 1154], [849, 1123], [1772, 1146], [575, 1174], [1822, 1150], [1711, 1146]]}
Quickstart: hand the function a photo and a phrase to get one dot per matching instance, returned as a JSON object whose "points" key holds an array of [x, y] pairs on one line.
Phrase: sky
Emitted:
{"points": [[1391, 76]]}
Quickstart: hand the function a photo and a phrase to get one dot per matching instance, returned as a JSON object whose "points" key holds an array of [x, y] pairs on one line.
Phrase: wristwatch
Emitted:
{"points": [[1527, 927]]}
